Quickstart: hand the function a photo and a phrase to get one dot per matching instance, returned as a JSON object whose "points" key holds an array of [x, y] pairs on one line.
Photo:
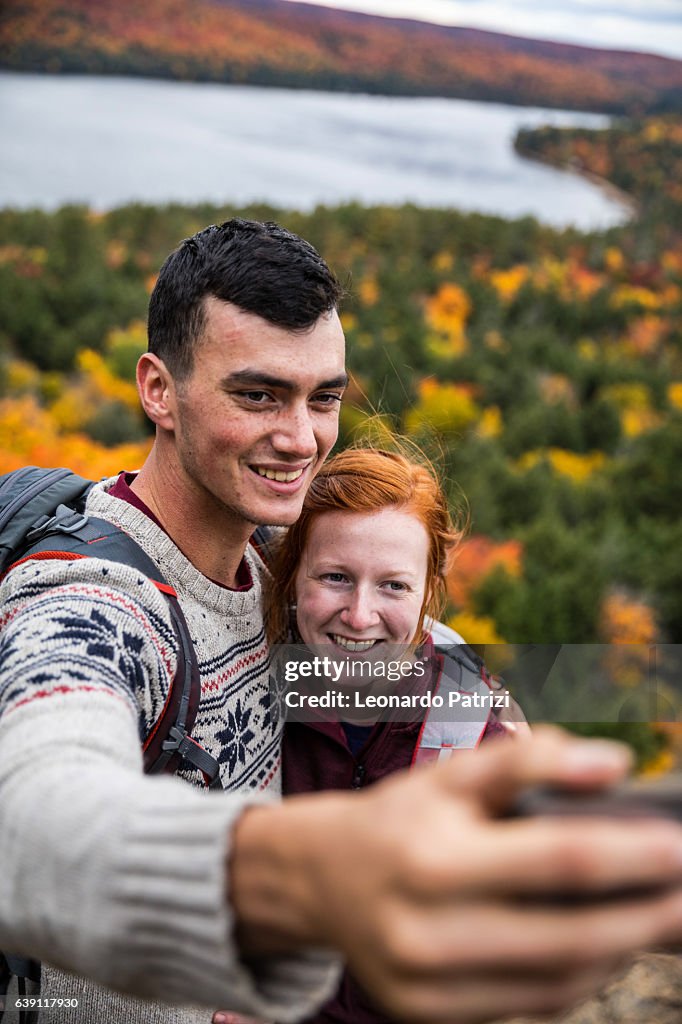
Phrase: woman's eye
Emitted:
{"points": [[333, 577], [396, 586]]}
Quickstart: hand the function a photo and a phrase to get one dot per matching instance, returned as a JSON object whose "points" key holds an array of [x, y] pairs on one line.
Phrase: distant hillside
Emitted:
{"points": [[270, 42]]}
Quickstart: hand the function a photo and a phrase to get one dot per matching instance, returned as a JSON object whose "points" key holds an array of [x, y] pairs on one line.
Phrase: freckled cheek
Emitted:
{"points": [[404, 623], [315, 608]]}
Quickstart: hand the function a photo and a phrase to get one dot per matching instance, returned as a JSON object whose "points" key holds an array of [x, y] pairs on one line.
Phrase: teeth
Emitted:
{"points": [[272, 474], [353, 645]]}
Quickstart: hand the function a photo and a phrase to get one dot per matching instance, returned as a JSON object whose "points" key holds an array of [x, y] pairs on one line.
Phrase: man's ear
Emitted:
{"points": [[156, 388]]}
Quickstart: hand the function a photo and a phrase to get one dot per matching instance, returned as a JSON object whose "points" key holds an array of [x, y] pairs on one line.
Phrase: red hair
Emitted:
{"points": [[367, 480]]}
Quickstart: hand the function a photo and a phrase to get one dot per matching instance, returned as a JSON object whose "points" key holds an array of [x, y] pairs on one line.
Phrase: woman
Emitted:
{"points": [[358, 577]]}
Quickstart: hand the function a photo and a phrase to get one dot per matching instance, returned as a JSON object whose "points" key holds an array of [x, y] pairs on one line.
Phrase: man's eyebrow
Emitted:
{"points": [[257, 377]]}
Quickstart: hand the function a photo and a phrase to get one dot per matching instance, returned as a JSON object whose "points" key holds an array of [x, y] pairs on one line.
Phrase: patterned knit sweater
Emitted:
{"points": [[107, 872]]}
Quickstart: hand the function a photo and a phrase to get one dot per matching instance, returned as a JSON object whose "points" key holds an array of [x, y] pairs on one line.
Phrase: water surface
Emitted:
{"points": [[108, 141]]}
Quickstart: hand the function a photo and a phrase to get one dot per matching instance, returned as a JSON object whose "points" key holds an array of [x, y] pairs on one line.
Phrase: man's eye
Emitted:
{"points": [[327, 398], [258, 397]]}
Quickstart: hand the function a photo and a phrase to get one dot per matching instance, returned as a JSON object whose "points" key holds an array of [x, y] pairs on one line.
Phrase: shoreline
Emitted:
{"points": [[623, 199]]}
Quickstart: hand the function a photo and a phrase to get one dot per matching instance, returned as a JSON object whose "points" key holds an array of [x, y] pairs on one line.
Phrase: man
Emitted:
{"points": [[159, 890]]}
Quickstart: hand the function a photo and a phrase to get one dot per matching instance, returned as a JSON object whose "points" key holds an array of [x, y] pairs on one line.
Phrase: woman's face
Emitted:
{"points": [[361, 580]]}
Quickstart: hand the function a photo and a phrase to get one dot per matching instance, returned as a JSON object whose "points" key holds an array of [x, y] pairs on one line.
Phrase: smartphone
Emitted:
{"points": [[639, 798]]}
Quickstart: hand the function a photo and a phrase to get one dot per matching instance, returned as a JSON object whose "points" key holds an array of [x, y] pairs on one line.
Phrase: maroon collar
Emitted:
{"points": [[124, 492]]}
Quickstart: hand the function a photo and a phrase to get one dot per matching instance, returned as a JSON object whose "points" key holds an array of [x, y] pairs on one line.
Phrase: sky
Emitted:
{"points": [[653, 26]]}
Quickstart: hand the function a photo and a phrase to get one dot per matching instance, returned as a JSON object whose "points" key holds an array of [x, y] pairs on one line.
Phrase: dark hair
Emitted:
{"points": [[260, 267]]}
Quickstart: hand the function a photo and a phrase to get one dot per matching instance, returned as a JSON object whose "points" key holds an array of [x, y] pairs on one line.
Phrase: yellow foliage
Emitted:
{"points": [[508, 282], [550, 273], [634, 401], [495, 341], [614, 260], [490, 423], [675, 394], [638, 421], [446, 313], [368, 291], [349, 321], [446, 408], [571, 464], [475, 629], [587, 349], [21, 377], [627, 294], [661, 764], [570, 278], [654, 131], [133, 336], [443, 261], [445, 346], [107, 385], [95, 385], [633, 395], [29, 436]]}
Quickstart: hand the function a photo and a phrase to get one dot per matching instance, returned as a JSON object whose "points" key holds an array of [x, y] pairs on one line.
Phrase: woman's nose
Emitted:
{"points": [[360, 613]]}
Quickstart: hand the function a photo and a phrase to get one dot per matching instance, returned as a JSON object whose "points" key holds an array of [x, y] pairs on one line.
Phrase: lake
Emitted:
{"points": [[108, 141]]}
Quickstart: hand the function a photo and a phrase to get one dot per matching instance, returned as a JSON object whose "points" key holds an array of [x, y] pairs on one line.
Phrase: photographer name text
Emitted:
{"points": [[345, 701]]}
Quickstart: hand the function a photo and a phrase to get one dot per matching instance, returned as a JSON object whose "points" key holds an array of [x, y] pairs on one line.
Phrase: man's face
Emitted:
{"points": [[259, 413]]}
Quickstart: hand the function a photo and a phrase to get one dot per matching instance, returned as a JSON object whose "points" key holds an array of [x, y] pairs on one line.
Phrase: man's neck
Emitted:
{"points": [[212, 540]]}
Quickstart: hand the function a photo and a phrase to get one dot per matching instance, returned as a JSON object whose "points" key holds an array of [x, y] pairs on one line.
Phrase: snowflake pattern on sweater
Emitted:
{"points": [[73, 627]]}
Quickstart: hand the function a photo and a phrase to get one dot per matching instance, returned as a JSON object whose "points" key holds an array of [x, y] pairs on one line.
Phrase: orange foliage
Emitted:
{"points": [[629, 622], [646, 335], [29, 436], [476, 557], [447, 312], [625, 620]]}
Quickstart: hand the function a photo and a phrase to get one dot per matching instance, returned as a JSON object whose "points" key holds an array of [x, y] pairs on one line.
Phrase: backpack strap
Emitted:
{"points": [[70, 533], [28, 497], [24, 970], [446, 728]]}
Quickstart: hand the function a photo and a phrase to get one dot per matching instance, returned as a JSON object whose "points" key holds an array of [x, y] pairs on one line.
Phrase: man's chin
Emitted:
{"points": [[276, 514]]}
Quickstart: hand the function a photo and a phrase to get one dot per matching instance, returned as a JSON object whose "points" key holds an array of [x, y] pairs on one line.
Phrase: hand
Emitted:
{"points": [[435, 902]]}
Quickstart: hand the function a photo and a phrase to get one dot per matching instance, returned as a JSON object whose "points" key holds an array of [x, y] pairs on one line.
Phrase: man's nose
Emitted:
{"points": [[360, 612], [295, 435]]}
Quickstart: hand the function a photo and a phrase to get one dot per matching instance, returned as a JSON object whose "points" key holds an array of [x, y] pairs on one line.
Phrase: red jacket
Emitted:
{"points": [[317, 756]]}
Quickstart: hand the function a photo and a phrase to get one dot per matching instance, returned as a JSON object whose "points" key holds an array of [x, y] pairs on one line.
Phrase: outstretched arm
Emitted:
{"points": [[442, 910]]}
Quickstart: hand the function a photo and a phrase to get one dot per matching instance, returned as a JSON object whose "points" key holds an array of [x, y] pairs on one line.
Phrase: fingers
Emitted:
{"points": [[529, 941], [494, 774], [545, 855], [479, 998], [482, 962]]}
